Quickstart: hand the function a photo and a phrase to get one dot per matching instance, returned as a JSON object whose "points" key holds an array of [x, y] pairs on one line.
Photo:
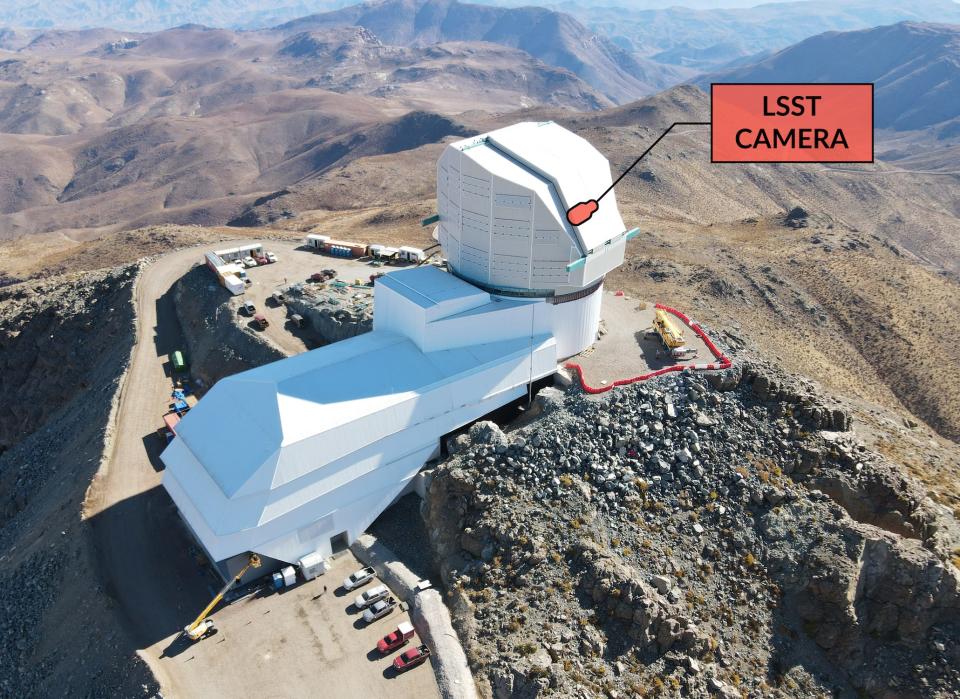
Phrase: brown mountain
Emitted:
{"points": [[915, 68], [554, 37], [100, 130]]}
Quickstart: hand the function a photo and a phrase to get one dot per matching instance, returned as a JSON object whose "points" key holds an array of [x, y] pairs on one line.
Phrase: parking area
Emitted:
{"points": [[304, 640], [295, 263]]}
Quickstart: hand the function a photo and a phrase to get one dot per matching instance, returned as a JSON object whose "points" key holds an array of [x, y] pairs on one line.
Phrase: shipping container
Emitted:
{"points": [[343, 248], [312, 565], [410, 254], [177, 362], [233, 284], [316, 241]]}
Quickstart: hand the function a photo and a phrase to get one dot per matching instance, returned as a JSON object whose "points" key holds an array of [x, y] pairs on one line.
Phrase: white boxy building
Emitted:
{"points": [[301, 455]]}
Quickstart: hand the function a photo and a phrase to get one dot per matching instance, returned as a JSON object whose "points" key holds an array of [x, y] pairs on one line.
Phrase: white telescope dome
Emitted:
{"points": [[502, 199]]}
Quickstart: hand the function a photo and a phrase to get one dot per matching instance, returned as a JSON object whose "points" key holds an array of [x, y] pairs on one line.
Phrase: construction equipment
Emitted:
{"points": [[671, 336], [201, 626]]}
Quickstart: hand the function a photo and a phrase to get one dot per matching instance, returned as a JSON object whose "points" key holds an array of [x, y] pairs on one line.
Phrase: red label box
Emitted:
{"points": [[791, 123]]}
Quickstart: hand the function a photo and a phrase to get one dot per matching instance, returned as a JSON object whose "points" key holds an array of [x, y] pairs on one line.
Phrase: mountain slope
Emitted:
{"points": [[100, 130], [553, 37], [709, 38], [915, 67]]}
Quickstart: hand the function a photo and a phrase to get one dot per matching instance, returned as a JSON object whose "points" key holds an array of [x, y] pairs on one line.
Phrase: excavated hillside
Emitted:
{"points": [[65, 342]]}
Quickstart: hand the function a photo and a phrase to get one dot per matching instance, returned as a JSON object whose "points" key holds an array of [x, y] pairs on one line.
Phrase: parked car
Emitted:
{"points": [[261, 322], [411, 658], [297, 320], [396, 638], [248, 261], [323, 276], [379, 609], [271, 257], [248, 308], [374, 594], [358, 579], [278, 297]]}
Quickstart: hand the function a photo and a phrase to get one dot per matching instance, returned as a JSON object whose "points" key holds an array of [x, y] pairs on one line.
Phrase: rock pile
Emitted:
{"points": [[332, 313], [679, 536]]}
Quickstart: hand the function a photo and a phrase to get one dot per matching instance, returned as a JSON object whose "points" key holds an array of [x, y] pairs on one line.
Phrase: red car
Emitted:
{"points": [[396, 638], [411, 658]]}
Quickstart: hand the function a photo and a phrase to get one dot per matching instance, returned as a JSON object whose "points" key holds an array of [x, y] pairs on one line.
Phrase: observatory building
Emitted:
{"points": [[301, 455]]}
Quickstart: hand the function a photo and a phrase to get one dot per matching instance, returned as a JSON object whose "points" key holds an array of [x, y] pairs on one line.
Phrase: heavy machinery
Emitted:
{"points": [[671, 336], [201, 626]]}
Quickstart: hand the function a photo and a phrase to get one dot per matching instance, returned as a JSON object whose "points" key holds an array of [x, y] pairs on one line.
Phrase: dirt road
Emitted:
{"points": [[146, 565]]}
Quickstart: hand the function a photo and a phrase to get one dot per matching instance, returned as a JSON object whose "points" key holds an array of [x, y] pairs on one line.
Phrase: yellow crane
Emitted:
{"points": [[671, 335], [201, 626]]}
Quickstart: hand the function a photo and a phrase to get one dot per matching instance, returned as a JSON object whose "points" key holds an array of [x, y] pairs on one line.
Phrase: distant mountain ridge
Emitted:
{"points": [[709, 39], [554, 37], [153, 15], [915, 68]]}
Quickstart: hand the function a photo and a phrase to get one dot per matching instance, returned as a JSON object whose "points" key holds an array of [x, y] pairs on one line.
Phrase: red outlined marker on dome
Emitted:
{"points": [[580, 213]]}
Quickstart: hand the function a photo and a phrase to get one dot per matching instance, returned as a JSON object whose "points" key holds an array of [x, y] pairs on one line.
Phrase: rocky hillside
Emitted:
{"points": [[219, 341], [77, 320], [65, 344], [700, 537]]}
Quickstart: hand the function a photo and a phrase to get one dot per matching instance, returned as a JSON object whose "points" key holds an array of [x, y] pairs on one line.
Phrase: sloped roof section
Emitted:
{"points": [[577, 170], [237, 432]]}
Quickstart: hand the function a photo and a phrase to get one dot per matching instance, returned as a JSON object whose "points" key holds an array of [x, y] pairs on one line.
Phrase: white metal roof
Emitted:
{"points": [[242, 427], [428, 286], [241, 430]]}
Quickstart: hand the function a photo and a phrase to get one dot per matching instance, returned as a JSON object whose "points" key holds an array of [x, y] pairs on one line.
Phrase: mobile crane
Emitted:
{"points": [[201, 626], [671, 336]]}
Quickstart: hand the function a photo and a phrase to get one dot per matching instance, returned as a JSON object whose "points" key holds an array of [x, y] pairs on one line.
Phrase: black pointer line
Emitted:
{"points": [[650, 148], [580, 213]]}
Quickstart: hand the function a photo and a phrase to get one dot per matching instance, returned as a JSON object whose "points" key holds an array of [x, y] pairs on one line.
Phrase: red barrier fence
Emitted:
{"points": [[722, 363]]}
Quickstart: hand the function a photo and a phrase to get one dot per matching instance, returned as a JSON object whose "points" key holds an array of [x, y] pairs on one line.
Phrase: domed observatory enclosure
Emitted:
{"points": [[300, 456], [502, 198]]}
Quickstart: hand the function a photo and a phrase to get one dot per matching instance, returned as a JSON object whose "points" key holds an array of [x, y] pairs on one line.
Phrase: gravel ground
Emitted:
{"points": [[686, 537]]}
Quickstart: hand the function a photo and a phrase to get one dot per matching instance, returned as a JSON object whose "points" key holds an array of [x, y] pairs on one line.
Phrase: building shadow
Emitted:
{"points": [[151, 568], [153, 444], [167, 335], [304, 333]]}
